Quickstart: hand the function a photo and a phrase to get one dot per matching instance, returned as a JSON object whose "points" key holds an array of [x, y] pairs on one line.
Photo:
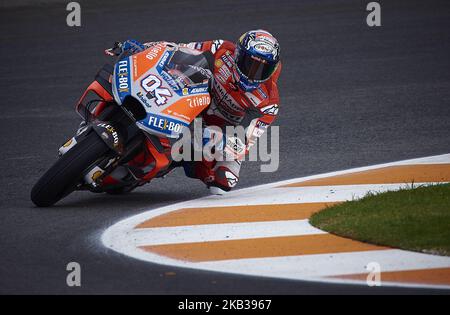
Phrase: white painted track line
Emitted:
{"points": [[307, 266], [221, 232]]}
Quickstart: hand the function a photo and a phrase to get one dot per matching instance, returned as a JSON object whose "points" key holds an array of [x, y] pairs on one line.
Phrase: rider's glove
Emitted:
{"points": [[129, 45], [133, 46]]}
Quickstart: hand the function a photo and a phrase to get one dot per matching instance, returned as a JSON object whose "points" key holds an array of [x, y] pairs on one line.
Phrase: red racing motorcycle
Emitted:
{"points": [[132, 113]]}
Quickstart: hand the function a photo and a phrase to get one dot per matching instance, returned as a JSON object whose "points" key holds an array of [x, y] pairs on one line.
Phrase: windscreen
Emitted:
{"points": [[188, 69]]}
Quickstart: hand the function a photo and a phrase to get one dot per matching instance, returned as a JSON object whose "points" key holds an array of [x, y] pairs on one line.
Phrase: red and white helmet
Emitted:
{"points": [[257, 57]]}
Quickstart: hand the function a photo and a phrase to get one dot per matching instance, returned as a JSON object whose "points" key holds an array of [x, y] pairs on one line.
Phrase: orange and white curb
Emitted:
{"points": [[264, 230]]}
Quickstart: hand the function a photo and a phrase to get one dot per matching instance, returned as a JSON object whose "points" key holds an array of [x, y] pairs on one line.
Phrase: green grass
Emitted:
{"points": [[415, 219]]}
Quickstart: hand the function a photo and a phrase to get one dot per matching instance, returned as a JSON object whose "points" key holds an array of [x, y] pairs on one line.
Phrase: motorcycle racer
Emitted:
{"points": [[244, 93]]}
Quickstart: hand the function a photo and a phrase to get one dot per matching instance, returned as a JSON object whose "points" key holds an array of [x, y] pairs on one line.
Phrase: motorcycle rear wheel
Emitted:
{"points": [[64, 176]]}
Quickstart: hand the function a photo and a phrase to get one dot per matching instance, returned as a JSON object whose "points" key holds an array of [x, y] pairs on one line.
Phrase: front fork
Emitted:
{"points": [[111, 136], [144, 157], [123, 141]]}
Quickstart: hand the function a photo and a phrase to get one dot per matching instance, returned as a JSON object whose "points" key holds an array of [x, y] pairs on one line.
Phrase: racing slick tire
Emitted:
{"points": [[63, 177]]}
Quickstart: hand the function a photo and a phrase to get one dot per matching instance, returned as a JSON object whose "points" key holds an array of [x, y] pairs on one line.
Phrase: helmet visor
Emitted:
{"points": [[254, 68]]}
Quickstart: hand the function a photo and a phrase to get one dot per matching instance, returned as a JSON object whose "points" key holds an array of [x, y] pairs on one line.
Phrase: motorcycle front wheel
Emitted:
{"points": [[64, 176]]}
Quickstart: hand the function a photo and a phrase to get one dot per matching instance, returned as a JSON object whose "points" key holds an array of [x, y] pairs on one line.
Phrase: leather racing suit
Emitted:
{"points": [[231, 106], [254, 110]]}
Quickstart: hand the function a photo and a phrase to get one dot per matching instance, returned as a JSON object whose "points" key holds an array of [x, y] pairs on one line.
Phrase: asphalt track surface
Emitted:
{"points": [[350, 96]]}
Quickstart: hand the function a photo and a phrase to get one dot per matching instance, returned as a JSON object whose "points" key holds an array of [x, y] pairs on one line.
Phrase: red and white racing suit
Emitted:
{"points": [[232, 106]]}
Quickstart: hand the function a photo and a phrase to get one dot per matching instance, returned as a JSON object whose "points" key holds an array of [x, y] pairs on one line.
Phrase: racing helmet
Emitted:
{"points": [[256, 56]]}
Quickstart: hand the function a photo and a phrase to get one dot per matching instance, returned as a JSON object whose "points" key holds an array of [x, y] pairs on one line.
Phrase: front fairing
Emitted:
{"points": [[170, 82]]}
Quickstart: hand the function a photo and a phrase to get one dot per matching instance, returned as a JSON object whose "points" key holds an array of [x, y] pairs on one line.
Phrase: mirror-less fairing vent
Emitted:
{"points": [[135, 108]]}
